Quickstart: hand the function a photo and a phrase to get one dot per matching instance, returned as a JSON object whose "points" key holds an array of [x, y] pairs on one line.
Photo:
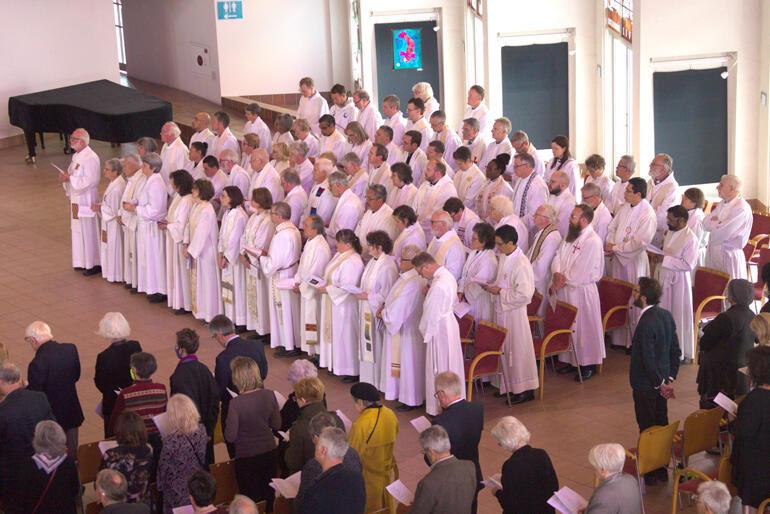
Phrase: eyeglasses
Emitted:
{"points": [[516, 166]]}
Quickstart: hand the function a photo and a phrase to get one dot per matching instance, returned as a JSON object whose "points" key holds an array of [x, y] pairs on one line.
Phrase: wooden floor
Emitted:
{"points": [[38, 282]]}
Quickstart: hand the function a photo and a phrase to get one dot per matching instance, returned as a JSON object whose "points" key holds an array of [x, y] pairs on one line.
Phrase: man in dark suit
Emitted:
{"points": [[463, 421], [112, 490], [54, 371], [450, 486], [655, 358], [20, 412], [223, 330], [192, 378]]}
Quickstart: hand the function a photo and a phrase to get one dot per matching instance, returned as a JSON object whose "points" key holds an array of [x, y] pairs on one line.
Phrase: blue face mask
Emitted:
{"points": [[178, 354]]}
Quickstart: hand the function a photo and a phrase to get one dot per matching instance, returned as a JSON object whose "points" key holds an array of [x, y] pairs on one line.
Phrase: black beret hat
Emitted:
{"points": [[364, 391]]}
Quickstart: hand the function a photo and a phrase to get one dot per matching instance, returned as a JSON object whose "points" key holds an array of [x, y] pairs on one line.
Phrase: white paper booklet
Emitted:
{"points": [[567, 501], [315, 281], [345, 420], [653, 249], [187, 509], [281, 399], [161, 421], [727, 404], [493, 481], [107, 445], [400, 492], [284, 435], [253, 251], [461, 309], [420, 424], [287, 487], [233, 394]]}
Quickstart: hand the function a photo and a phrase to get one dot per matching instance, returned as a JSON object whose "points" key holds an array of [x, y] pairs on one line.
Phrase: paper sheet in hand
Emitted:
{"points": [[653, 249], [58, 168], [727, 404], [233, 394], [420, 423], [315, 281], [187, 509], [287, 487], [567, 501], [98, 410], [284, 435], [345, 420], [161, 421], [352, 289], [461, 309], [285, 283], [400, 492], [106, 445], [493, 481], [744, 370], [281, 399], [253, 251]]}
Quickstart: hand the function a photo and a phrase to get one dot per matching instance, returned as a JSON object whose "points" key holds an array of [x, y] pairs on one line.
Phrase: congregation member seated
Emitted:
{"points": [[203, 489], [299, 369], [111, 489], [713, 498], [132, 457], [617, 492]]}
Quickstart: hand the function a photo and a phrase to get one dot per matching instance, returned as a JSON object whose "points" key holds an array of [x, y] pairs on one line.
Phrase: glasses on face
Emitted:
{"points": [[588, 197], [517, 166], [574, 217]]}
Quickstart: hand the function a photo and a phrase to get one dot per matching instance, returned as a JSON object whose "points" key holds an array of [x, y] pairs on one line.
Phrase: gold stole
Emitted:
{"points": [[228, 290], [395, 339], [366, 348], [354, 178], [130, 197], [328, 277], [432, 198], [251, 279], [484, 196], [660, 194], [536, 249], [273, 283], [443, 249], [197, 210]]}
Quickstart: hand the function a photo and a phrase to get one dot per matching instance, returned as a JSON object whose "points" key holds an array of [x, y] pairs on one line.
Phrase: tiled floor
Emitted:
{"points": [[37, 282]]}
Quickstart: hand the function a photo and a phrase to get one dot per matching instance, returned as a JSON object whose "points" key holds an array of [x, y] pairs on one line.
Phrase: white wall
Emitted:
{"points": [[763, 139], [278, 43], [159, 37], [48, 44], [520, 17]]}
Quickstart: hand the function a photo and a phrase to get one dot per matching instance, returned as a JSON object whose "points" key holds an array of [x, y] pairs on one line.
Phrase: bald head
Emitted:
{"points": [[79, 139], [201, 121], [169, 132], [558, 182]]}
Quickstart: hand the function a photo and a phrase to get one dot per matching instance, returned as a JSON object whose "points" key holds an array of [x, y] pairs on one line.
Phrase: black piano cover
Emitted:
{"points": [[108, 111]]}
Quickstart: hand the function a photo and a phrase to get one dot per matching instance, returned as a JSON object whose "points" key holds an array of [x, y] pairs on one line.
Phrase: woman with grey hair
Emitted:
{"points": [[528, 477], [713, 498], [723, 346], [50, 477], [617, 492], [113, 364], [299, 369], [111, 245]]}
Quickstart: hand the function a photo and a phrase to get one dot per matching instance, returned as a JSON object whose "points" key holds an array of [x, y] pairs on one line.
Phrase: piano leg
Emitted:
{"points": [[30, 138], [42, 140], [67, 148]]}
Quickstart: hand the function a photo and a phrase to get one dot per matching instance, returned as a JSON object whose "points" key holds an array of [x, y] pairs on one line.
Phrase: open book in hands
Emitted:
{"points": [[567, 501]]}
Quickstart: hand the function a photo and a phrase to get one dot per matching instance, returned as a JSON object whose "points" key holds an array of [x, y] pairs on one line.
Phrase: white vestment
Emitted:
{"points": [[464, 227], [431, 105], [262, 131], [372, 221], [281, 263], [430, 198], [223, 141], [362, 150], [312, 144], [311, 109], [582, 264], [411, 235], [377, 279], [370, 119], [204, 136], [401, 315], [451, 142], [601, 221], [270, 180], [403, 195], [196, 169], [305, 172], [239, 178], [234, 274], [528, 195], [334, 144], [177, 267], [345, 114], [112, 234], [441, 334], [381, 175], [618, 197], [85, 173], [521, 230], [347, 214], [674, 274], [202, 235], [481, 113], [491, 189], [661, 196], [468, 184], [494, 149], [297, 200], [417, 161], [571, 168], [516, 282], [257, 234], [480, 268], [729, 226], [315, 256], [563, 204], [394, 153], [175, 156], [545, 243], [478, 147], [320, 201], [449, 252], [129, 221], [151, 241], [358, 183], [423, 127], [695, 223], [605, 184], [398, 124]]}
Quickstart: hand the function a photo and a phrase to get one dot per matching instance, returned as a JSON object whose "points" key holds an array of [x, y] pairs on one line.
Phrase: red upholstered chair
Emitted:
{"points": [[763, 257], [707, 294], [558, 335], [488, 344], [532, 309], [687, 481], [466, 329], [759, 235], [614, 295]]}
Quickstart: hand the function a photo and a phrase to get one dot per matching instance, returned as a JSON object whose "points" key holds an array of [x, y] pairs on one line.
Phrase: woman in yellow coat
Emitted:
{"points": [[373, 436]]}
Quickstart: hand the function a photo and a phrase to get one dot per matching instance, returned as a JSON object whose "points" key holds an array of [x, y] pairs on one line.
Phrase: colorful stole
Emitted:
{"points": [[328, 277], [443, 249], [535, 252]]}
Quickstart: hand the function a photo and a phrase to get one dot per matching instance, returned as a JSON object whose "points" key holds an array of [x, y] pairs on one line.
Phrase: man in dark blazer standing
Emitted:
{"points": [[54, 371], [655, 358], [463, 421], [223, 330], [20, 412]]}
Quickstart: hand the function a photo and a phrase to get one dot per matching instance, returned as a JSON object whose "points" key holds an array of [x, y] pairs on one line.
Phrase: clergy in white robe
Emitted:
{"points": [[576, 268], [624, 171], [561, 199], [378, 167], [127, 218], [348, 211], [151, 241], [729, 226], [343, 109], [311, 104], [173, 153], [512, 290], [447, 136], [218, 179], [358, 179], [544, 244], [474, 141], [628, 235], [413, 155], [433, 193], [331, 139], [378, 216], [320, 200], [499, 144], [446, 247], [177, 266], [264, 175], [495, 186], [439, 328], [225, 138], [463, 218], [295, 196], [282, 130], [203, 134], [403, 354], [301, 164], [480, 268], [255, 125], [301, 129], [674, 272], [595, 167], [424, 92], [477, 109], [315, 256], [522, 145], [529, 189], [249, 143], [233, 272], [280, 263], [80, 183], [357, 141], [376, 281], [661, 192], [436, 153], [368, 115], [501, 213], [694, 200], [111, 232], [256, 237], [195, 160], [394, 118], [201, 238], [410, 232], [469, 179], [416, 121], [236, 175], [591, 194], [340, 335], [562, 161], [403, 191]]}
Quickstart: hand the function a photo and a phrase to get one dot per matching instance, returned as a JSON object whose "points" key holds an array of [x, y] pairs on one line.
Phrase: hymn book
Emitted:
{"points": [[567, 501]]}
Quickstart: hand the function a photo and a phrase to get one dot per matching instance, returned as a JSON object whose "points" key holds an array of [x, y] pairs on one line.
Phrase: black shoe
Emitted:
{"points": [[500, 395], [526, 396], [240, 329], [650, 478], [330, 373], [282, 353], [569, 368], [92, 271], [617, 347], [156, 298], [586, 372], [266, 339], [662, 475], [402, 407], [181, 312], [350, 379], [134, 290], [127, 285], [78, 268]]}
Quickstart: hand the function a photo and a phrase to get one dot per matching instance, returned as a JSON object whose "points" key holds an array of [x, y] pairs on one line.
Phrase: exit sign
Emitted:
{"points": [[230, 10]]}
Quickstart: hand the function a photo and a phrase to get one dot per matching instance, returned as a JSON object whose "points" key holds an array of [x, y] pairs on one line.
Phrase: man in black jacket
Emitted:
{"points": [[223, 330], [20, 412], [54, 371], [655, 358], [463, 421], [192, 378]]}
